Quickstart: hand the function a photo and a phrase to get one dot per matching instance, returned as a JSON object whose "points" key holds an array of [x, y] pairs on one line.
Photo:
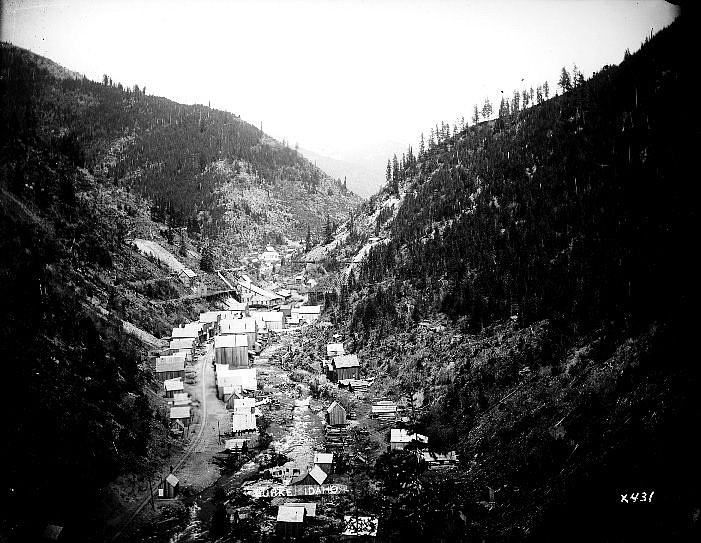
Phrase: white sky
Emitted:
{"points": [[332, 75]]}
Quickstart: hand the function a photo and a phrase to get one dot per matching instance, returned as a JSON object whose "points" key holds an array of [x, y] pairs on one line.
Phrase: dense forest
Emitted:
{"points": [[536, 282]]}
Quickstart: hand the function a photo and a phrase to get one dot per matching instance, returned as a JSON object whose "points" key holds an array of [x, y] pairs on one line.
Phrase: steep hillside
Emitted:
{"points": [[199, 167], [536, 283]]}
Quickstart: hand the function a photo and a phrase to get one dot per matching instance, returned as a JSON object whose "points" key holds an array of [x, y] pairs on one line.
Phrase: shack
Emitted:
{"points": [[324, 461], [172, 386], [399, 438], [336, 414], [181, 398], [170, 367], [180, 414], [231, 350], [273, 320], [307, 313], [168, 489], [346, 366], [384, 409], [182, 346], [290, 521], [243, 423], [315, 476]]}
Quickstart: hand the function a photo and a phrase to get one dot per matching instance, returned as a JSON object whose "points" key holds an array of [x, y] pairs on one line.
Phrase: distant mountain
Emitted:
{"points": [[364, 167]]}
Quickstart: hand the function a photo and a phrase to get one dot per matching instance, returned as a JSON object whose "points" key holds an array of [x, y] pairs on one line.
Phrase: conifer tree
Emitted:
{"points": [[565, 82], [422, 148], [486, 109], [308, 246], [546, 90], [516, 103], [475, 115]]}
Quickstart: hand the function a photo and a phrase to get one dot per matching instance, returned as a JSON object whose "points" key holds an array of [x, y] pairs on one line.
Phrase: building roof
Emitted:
{"points": [[260, 291], [181, 398], [333, 406], [187, 272], [346, 361], [180, 412], [430, 457], [186, 332], [272, 316], [243, 421], [170, 363], [231, 340], [237, 326], [307, 309], [173, 385], [181, 343], [400, 435], [287, 513], [209, 316], [309, 507], [360, 526], [323, 458], [245, 378], [234, 444], [335, 349], [172, 480], [318, 474]]}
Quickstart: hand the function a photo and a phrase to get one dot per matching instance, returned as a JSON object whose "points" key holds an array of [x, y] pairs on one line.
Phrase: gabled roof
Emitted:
{"points": [[181, 398], [172, 480], [323, 458], [333, 406], [346, 361], [260, 291], [230, 340], [237, 326], [187, 272], [189, 332], [318, 474], [170, 363], [286, 513], [180, 412], [400, 435], [181, 343], [173, 384], [307, 309]]}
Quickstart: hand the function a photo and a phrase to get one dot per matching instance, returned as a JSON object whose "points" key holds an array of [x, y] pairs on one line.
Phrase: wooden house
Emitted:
{"points": [[336, 414], [435, 460], [315, 476], [273, 320], [236, 445], [182, 346], [187, 277], [243, 423], [285, 474], [256, 296], [290, 522], [334, 349], [399, 438], [384, 409], [237, 379], [168, 489], [170, 367], [307, 313], [324, 461], [181, 398], [181, 414], [231, 350], [359, 529], [173, 386], [188, 331], [244, 325], [243, 405], [346, 366]]}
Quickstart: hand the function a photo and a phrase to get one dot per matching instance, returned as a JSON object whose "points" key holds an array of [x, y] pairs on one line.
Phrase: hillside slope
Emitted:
{"points": [[536, 283], [199, 167]]}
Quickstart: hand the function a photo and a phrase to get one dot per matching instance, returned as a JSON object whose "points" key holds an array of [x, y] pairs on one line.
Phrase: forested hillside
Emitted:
{"points": [[192, 162], [549, 255]]}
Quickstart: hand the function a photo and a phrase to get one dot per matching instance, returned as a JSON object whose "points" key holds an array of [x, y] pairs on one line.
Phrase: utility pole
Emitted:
{"points": [[150, 487]]}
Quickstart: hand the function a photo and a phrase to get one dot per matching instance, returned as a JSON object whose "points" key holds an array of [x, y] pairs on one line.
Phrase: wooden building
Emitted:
{"points": [[181, 414], [307, 313], [187, 277], [181, 398], [231, 350], [435, 460], [384, 409], [238, 379], [170, 367], [244, 325], [290, 522], [324, 461], [399, 438], [243, 405], [346, 366], [309, 507], [273, 320], [243, 423], [168, 489], [182, 346], [336, 414], [315, 476], [173, 386]]}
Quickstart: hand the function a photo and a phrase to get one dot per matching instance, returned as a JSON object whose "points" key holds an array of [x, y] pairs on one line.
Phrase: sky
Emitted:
{"points": [[334, 76]]}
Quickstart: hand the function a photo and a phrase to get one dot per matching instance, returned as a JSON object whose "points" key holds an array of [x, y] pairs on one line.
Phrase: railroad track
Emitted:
{"points": [[190, 449]]}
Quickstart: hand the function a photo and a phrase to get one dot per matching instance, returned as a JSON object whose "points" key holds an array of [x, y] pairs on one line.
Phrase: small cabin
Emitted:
{"points": [[273, 320], [384, 409], [324, 461], [346, 367], [181, 398], [187, 277], [399, 438], [315, 476], [173, 386], [170, 367], [336, 414], [180, 414], [290, 521], [169, 488], [307, 313], [243, 423]]}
